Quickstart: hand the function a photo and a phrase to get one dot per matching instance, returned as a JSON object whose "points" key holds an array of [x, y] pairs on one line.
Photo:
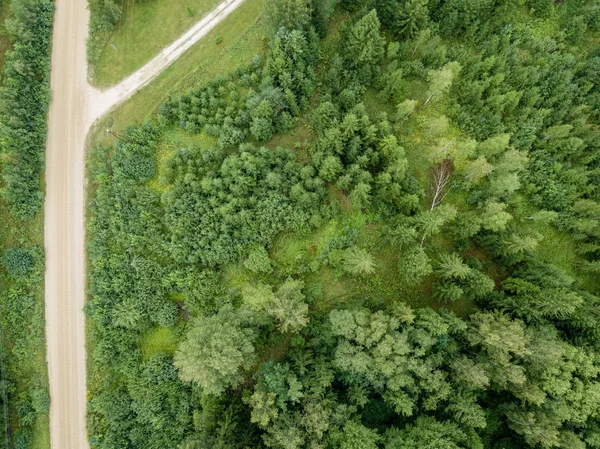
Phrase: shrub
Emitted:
{"points": [[17, 262]]}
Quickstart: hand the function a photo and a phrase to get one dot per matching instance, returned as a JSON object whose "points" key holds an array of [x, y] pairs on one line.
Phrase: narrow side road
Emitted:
{"points": [[74, 108]]}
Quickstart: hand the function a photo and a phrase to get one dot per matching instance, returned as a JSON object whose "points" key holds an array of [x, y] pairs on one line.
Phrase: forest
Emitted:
{"points": [[382, 232], [25, 35]]}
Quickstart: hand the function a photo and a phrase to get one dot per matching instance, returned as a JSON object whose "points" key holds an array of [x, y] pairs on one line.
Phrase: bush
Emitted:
{"points": [[258, 261], [17, 262]]}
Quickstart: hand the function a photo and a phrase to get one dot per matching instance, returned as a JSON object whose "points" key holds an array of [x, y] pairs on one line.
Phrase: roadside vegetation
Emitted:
{"points": [[120, 38], [241, 35], [380, 230], [25, 55]]}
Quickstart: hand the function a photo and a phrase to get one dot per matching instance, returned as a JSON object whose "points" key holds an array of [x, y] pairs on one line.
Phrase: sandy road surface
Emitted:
{"points": [[75, 106]]}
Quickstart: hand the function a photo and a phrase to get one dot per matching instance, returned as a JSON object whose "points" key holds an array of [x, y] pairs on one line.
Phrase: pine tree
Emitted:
{"points": [[364, 43], [412, 17], [518, 244], [290, 14], [451, 266], [358, 261]]}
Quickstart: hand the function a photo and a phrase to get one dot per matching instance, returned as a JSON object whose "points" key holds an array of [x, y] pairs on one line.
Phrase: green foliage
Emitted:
{"points": [[18, 262], [355, 436], [450, 266], [258, 261], [24, 106], [104, 16], [216, 351], [290, 14], [426, 433], [448, 155], [413, 265], [288, 306], [226, 109], [365, 46], [412, 17], [24, 99], [235, 209], [358, 261]]}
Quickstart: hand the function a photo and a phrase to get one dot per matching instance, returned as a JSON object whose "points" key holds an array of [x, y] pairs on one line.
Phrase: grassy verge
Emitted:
{"points": [[129, 46]]}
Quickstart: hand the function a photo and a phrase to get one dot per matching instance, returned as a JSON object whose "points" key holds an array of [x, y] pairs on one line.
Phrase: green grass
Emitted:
{"points": [[242, 40], [5, 43], [41, 433], [160, 340], [559, 249], [145, 28]]}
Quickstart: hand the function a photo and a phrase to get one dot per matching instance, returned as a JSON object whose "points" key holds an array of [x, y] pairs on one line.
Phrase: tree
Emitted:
{"points": [[290, 14], [451, 266], [263, 407], [358, 261], [477, 169], [440, 177], [441, 80], [128, 314], [405, 109], [330, 168], [288, 306], [430, 222], [494, 145], [364, 44], [501, 341], [448, 292], [354, 436], [360, 196], [258, 261], [426, 433], [216, 350], [518, 244], [494, 216], [258, 296], [412, 17], [413, 265]]}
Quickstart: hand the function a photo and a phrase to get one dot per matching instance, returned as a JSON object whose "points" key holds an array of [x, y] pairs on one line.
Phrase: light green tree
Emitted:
{"points": [[426, 433], [518, 244], [263, 407], [494, 216], [354, 436], [430, 222], [288, 307], [451, 266], [477, 169], [405, 109], [441, 80], [258, 261], [216, 351], [358, 261]]}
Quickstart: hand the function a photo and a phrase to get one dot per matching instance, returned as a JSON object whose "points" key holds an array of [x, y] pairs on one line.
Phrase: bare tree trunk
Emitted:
{"points": [[441, 174]]}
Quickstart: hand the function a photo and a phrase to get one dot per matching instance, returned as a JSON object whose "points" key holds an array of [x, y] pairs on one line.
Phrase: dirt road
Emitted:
{"points": [[74, 108]]}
